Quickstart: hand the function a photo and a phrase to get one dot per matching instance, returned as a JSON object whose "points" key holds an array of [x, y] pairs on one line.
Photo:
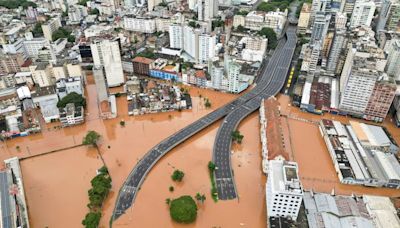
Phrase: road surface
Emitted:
{"points": [[131, 186], [278, 68]]}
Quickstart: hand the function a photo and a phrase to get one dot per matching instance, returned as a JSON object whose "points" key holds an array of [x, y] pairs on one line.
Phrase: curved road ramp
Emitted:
{"points": [[266, 86], [277, 70]]}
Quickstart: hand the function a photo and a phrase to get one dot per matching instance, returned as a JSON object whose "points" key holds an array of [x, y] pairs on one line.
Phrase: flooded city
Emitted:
{"points": [[56, 183]]}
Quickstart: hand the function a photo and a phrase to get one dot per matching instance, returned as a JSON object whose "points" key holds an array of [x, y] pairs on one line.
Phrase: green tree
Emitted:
{"points": [[193, 24], [264, 6], [37, 30], [168, 201], [63, 33], [171, 188], [74, 98], [101, 185], [163, 3], [91, 138], [207, 104], [211, 166], [242, 12], [270, 34], [236, 136], [302, 41], [92, 220], [94, 11], [122, 123], [13, 4], [273, 5], [71, 38], [83, 2], [147, 54], [103, 170], [177, 175], [217, 23], [183, 209], [200, 197], [240, 28]]}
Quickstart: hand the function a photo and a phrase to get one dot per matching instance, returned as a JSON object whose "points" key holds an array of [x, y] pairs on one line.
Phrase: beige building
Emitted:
{"points": [[41, 74], [257, 20], [304, 18], [238, 20], [50, 27], [7, 81], [8, 97], [11, 63], [58, 72], [74, 70]]}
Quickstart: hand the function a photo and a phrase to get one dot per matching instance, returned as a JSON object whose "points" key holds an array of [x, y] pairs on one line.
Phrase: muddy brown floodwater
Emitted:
{"points": [[315, 165], [150, 209], [56, 184], [121, 148]]}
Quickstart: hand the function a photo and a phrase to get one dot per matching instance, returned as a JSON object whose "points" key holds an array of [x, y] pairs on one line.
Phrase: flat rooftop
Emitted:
{"points": [[6, 209], [284, 177]]}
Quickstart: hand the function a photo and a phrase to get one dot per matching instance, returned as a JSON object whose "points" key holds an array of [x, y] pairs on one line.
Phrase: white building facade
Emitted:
{"points": [[284, 191], [106, 53]]}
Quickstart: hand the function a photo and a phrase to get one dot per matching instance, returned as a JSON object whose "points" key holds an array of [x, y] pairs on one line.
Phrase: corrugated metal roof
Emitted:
{"points": [[376, 135], [326, 211]]}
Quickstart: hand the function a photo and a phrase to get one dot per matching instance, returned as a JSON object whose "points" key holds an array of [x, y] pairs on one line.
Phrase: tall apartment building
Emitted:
{"points": [[284, 191], [304, 18], [363, 13], [32, 46], [389, 17], [140, 24], [191, 42], [326, 47], [176, 36], [318, 6], [336, 50], [76, 13], [348, 7], [381, 99], [393, 60], [207, 9], [359, 85], [310, 57], [210, 9], [340, 21], [50, 27], [106, 53], [320, 27], [217, 75], [207, 45], [11, 63], [234, 82], [276, 21]]}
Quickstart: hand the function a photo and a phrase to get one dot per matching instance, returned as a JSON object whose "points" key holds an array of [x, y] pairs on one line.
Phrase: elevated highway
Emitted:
{"points": [[131, 186]]}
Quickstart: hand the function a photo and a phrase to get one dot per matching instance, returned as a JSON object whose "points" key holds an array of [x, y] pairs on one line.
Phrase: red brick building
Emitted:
{"points": [[141, 65], [379, 103]]}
